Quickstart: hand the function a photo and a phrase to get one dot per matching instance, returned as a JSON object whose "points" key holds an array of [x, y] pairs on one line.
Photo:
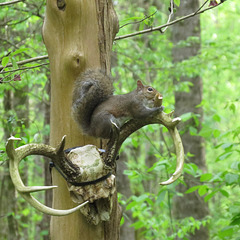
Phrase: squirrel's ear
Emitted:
{"points": [[139, 85]]}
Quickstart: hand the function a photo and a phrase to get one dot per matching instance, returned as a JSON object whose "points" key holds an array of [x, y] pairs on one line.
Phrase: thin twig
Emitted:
{"points": [[10, 3], [158, 28], [23, 20], [2, 69], [26, 61], [25, 68], [1, 81], [151, 142], [169, 17], [139, 20], [201, 6]]}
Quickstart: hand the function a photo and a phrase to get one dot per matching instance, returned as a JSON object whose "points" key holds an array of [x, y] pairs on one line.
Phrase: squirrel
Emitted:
{"points": [[95, 108]]}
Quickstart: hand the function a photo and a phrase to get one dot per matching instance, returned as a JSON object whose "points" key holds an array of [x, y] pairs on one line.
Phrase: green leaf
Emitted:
{"points": [[128, 172], [19, 51], [224, 156], [131, 205], [122, 221], [135, 143], [186, 116], [161, 197], [5, 61], [158, 166], [191, 168], [138, 225], [236, 220], [192, 189], [44, 232], [205, 177], [205, 132], [26, 211], [231, 178], [235, 166], [224, 193], [177, 2], [193, 131], [216, 133], [226, 146], [216, 118], [14, 63], [203, 190], [142, 198], [226, 232], [233, 107], [209, 196]]}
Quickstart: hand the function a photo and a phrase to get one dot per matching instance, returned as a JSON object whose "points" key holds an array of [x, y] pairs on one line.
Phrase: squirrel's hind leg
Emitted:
{"points": [[102, 125]]}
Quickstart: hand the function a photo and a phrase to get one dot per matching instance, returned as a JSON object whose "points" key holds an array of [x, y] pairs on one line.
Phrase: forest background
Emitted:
{"points": [[148, 154]]}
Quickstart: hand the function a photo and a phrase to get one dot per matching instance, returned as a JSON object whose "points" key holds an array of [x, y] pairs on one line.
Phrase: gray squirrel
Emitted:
{"points": [[95, 108]]}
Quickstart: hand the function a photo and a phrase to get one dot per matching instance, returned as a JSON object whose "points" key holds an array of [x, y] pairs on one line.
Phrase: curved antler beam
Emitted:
{"points": [[133, 125], [15, 157], [180, 156]]}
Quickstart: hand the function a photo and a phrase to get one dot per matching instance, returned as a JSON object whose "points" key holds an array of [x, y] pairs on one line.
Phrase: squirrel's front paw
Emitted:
{"points": [[160, 109]]}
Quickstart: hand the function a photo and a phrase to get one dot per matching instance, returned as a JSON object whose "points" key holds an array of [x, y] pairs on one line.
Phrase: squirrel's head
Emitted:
{"points": [[149, 93]]}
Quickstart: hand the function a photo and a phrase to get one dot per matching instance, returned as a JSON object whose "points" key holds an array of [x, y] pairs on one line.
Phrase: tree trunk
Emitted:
{"points": [[78, 35], [18, 102], [190, 204], [123, 186], [21, 107]]}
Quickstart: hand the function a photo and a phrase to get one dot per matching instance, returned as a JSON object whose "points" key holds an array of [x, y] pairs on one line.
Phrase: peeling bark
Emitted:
{"points": [[78, 35]]}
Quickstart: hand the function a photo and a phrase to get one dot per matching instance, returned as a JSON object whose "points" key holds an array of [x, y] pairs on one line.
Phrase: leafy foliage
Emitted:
{"points": [[217, 64], [23, 94]]}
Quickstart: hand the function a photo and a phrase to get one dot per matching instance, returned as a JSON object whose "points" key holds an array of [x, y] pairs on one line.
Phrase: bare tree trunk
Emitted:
{"points": [[190, 204], [8, 224], [78, 35], [123, 186], [18, 102], [21, 107]]}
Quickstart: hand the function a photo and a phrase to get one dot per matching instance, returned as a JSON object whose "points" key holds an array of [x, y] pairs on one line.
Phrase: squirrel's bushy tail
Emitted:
{"points": [[91, 88]]}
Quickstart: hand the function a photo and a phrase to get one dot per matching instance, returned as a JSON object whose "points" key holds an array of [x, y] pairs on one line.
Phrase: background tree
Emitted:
{"points": [[189, 31], [16, 44]]}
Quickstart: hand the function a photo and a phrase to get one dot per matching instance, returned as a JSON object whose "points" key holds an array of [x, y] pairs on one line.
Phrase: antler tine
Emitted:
{"points": [[47, 210], [180, 156], [15, 156], [170, 124], [166, 120]]}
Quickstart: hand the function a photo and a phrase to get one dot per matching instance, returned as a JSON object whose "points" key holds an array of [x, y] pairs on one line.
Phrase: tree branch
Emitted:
{"points": [[15, 78], [10, 3], [169, 17], [201, 7], [26, 61], [138, 21], [159, 28], [25, 68], [11, 22]]}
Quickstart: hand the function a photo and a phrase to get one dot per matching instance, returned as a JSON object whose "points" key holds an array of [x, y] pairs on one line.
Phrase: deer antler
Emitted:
{"points": [[179, 153], [15, 157], [133, 125]]}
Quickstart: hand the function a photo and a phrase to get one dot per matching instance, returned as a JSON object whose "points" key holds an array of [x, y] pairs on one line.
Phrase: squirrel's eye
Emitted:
{"points": [[150, 89]]}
